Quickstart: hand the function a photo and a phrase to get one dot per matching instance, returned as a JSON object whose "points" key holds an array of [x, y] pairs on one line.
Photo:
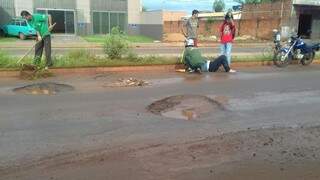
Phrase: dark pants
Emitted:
{"points": [[220, 61], [46, 44]]}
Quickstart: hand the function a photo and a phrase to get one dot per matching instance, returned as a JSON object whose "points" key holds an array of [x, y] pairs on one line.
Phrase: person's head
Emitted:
{"points": [[228, 17], [26, 15], [195, 13], [189, 43]]}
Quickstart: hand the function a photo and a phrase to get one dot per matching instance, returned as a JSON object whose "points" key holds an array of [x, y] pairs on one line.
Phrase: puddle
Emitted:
{"points": [[43, 89], [186, 107]]}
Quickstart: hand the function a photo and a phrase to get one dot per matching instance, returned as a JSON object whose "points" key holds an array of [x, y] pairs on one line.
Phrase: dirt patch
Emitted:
{"points": [[275, 153], [43, 89], [131, 82], [32, 72], [187, 107], [173, 37]]}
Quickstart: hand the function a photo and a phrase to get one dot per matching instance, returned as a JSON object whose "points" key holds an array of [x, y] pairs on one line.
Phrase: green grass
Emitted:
{"points": [[83, 58], [133, 39], [8, 39]]}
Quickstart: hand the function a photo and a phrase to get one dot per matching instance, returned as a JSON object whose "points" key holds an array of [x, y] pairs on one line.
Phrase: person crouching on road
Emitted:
{"points": [[194, 61], [43, 25]]}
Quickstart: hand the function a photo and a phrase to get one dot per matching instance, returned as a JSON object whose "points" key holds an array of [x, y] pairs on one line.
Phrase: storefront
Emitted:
{"points": [[308, 17]]}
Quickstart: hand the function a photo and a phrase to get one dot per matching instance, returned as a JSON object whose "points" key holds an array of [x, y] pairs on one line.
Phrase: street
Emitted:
{"points": [[263, 123]]}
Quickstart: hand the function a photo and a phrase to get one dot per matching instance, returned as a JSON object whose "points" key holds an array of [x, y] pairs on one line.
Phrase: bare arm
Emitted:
{"points": [[183, 29], [49, 20]]}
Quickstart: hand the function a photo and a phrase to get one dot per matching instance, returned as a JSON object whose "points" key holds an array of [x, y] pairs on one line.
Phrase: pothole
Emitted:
{"points": [[131, 82], [43, 89], [187, 107]]}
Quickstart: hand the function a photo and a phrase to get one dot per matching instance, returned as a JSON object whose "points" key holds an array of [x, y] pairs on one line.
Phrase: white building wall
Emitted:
{"points": [[83, 11], [21, 5], [134, 11], [152, 17]]}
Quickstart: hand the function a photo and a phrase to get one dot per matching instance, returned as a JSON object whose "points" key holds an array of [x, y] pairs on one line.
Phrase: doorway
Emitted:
{"points": [[305, 25]]}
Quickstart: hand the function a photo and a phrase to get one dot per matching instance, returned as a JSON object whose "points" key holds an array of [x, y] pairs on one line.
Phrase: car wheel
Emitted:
{"points": [[22, 36], [2, 34]]}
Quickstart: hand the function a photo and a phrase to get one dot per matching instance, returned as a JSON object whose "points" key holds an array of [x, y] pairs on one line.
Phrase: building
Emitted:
{"points": [[307, 17], [73, 16]]}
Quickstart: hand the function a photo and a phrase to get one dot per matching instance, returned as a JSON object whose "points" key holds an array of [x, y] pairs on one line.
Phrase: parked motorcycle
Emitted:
{"points": [[297, 49]]}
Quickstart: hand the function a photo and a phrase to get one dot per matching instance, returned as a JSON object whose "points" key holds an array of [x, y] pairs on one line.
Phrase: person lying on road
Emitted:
{"points": [[194, 62]]}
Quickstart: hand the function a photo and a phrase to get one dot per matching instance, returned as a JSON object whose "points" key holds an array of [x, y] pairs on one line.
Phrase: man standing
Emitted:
{"points": [[43, 25], [190, 28]]}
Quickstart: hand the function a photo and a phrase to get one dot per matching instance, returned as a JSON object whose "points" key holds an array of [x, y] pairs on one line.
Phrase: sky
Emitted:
{"points": [[183, 5]]}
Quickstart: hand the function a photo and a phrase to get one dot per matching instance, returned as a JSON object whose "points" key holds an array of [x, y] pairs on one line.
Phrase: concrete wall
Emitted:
{"points": [[134, 11], [152, 17], [173, 15], [109, 5], [7, 10], [259, 28], [55, 4], [21, 5], [152, 30], [83, 16]]}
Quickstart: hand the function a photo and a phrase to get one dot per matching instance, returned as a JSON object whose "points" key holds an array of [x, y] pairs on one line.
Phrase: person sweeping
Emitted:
{"points": [[43, 25]]}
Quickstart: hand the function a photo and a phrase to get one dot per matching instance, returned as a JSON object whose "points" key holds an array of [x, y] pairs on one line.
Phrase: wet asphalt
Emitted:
{"points": [[93, 116]]}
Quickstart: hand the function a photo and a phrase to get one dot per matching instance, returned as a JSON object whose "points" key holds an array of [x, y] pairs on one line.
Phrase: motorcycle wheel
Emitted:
{"points": [[279, 59], [307, 58]]}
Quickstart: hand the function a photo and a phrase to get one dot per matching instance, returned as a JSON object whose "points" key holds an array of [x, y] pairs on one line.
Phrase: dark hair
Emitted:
{"points": [[25, 13], [228, 16], [195, 12]]}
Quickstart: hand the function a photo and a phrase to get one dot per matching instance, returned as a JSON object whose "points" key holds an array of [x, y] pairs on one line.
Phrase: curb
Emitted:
{"points": [[147, 68]]}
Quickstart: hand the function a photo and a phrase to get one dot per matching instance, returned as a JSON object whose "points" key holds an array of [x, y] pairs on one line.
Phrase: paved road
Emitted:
{"points": [[146, 51], [61, 129]]}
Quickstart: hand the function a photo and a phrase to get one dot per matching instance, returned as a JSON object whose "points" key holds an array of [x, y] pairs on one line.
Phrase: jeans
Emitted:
{"points": [[46, 44], [220, 61], [226, 50]]}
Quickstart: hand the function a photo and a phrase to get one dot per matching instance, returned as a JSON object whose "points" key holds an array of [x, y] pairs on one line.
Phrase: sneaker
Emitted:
{"points": [[232, 71], [198, 70], [189, 70]]}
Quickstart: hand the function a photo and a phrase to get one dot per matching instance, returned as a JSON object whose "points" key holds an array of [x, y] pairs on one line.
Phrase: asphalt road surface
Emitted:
{"points": [[263, 123]]}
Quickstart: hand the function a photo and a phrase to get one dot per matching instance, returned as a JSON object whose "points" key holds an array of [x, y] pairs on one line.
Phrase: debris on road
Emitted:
{"points": [[32, 72], [131, 82]]}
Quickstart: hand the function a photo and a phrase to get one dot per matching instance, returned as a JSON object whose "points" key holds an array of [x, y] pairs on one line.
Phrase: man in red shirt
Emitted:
{"points": [[227, 34]]}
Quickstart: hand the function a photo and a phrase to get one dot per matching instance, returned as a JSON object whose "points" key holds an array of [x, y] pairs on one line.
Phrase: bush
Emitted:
{"points": [[116, 44]]}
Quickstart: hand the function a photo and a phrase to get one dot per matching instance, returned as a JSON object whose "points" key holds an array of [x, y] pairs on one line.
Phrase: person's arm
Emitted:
{"points": [[51, 26], [183, 29], [39, 38]]}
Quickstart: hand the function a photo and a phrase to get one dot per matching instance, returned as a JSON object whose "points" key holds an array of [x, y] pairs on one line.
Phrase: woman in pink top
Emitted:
{"points": [[227, 34]]}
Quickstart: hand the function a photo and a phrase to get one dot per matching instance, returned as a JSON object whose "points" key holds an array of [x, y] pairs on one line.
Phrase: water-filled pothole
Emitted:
{"points": [[187, 107], [48, 88]]}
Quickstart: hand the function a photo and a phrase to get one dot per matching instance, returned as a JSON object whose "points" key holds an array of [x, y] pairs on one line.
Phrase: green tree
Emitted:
{"points": [[218, 5]]}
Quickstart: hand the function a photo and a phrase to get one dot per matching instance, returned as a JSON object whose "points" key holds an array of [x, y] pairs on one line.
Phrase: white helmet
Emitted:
{"points": [[189, 42]]}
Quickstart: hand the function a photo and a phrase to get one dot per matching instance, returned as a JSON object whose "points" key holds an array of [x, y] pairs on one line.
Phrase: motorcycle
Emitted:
{"points": [[297, 49]]}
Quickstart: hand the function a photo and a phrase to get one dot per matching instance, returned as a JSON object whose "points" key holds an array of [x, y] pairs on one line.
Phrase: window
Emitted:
{"points": [[23, 23]]}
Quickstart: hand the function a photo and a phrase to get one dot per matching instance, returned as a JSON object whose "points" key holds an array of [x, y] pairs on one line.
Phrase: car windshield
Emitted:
{"points": [[23, 23]]}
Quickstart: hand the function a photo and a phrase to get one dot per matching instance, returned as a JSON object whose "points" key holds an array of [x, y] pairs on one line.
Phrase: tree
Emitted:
{"points": [[144, 9], [218, 5]]}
